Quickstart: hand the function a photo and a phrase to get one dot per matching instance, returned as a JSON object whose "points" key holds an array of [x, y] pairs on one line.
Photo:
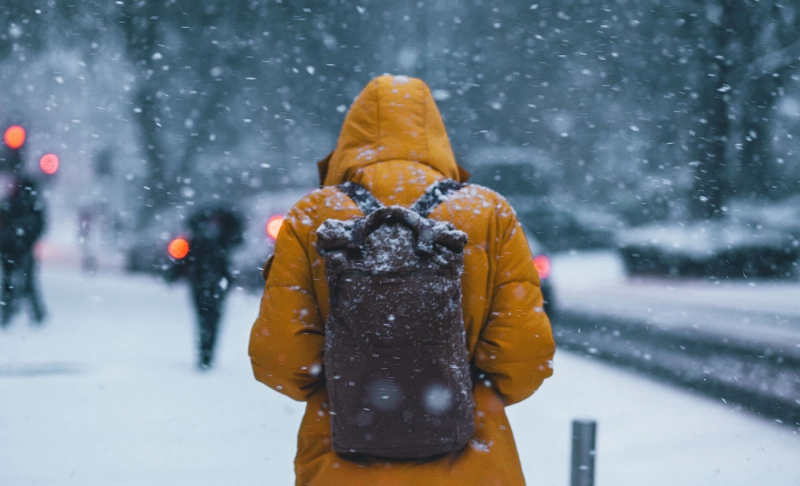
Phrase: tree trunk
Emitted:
{"points": [[755, 168], [708, 193], [156, 191]]}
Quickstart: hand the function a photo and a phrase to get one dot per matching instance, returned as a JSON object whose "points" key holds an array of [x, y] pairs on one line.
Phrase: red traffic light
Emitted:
{"points": [[178, 248], [14, 137], [274, 226], [49, 163]]}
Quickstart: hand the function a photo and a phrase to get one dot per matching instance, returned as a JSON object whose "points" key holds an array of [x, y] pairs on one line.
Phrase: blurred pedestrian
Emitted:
{"points": [[213, 233], [86, 217], [394, 165], [22, 222]]}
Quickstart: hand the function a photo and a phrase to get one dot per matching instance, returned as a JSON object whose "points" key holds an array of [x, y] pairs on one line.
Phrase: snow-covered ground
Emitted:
{"points": [[106, 394], [752, 310]]}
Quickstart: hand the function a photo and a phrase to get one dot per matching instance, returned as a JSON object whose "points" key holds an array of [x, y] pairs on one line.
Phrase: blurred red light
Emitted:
{"points": [[542, 264], [274, 226], [14, 137], [178, 248], [49, 163]]}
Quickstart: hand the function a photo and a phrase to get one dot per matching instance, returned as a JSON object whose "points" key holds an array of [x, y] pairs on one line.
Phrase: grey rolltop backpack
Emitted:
{"points": [[396, 363]]}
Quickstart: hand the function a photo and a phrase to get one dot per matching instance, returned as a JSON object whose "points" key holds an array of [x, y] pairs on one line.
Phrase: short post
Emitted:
{"points": [[584, 433]]}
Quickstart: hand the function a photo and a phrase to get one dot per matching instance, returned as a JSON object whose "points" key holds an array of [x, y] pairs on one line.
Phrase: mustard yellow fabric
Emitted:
{"points": [[393, 142]]}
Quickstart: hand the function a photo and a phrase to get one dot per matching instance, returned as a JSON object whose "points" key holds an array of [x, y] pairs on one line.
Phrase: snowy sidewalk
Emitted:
{"points": [[106, 393]]}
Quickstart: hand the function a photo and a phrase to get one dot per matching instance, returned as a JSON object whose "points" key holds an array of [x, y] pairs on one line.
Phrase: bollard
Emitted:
{"points": [[584, 433]]}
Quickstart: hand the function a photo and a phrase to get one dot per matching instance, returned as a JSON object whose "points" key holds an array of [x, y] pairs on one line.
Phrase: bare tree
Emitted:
{"points": [[746, 50]]}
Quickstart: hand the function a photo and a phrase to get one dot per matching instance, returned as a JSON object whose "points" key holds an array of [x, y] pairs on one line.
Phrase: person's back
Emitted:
{"points": [[22, 223], [213, 233], [393, 143], [21, 219]]}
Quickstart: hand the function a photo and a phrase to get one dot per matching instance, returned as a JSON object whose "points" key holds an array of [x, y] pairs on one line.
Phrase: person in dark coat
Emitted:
{"points": [[213, 234], [22, 222]]}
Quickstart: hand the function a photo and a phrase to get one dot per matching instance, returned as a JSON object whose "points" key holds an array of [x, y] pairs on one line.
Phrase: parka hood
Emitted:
{"points": [[393, 118]]}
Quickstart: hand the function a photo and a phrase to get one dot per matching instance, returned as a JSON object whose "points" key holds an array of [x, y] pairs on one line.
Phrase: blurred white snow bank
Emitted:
{"points": [[754, 309]]}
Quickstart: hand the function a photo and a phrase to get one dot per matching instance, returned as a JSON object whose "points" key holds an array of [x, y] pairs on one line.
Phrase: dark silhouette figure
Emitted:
{"points": [[22, 222], [213, 233]]}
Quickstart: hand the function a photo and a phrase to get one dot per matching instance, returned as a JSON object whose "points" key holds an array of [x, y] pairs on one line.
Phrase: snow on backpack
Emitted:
{"points": [[396, 362]]}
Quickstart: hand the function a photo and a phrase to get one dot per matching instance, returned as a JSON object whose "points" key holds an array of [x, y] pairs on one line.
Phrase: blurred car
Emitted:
{"points": [[146, 248], [719, 249], [262, 214], [565, 229], [783, 216], [524, 176], [541, 260]]}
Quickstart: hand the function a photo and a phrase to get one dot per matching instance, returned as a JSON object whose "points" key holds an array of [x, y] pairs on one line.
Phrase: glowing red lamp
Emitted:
{"points": [[542, 264], [14, 137], [178, 248], [49, 163], [274, 226]]}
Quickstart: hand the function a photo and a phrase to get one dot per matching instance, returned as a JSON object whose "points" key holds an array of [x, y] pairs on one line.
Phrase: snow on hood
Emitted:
{"points": [[394, 118]]}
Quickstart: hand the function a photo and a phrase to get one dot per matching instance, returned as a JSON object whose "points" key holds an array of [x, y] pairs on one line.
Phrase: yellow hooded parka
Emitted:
{"points": [[394, 143]]}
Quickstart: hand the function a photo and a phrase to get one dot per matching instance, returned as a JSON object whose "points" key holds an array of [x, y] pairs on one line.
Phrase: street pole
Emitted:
{"points": [[584, 433]]}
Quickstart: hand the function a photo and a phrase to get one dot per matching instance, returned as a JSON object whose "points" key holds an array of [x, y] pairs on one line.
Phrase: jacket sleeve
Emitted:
{"points": [[287, 339], [516, 346]]}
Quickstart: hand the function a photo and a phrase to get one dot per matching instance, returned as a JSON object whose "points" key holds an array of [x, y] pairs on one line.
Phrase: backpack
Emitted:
{"points": [[396, 362]]}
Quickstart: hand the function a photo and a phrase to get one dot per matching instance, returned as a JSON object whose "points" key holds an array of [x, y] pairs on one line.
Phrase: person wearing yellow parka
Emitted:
{"points": [[393, 142]]}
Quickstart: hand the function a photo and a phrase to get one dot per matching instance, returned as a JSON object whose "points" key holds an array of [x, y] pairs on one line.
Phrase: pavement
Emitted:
{"points": [[106, 393]]}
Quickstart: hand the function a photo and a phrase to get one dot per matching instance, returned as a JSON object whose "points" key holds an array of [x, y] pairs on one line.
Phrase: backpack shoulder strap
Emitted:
{"points": [[360, 195], [434, 195]]}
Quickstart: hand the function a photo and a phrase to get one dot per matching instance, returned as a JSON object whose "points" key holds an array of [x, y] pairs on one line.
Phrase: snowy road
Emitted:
{"points": [[106, 393], [754, 311], [737, 340]]}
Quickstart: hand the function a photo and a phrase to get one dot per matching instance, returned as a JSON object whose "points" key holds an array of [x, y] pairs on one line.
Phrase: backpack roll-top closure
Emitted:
{"points": [[335, 235], [396, 363]]}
